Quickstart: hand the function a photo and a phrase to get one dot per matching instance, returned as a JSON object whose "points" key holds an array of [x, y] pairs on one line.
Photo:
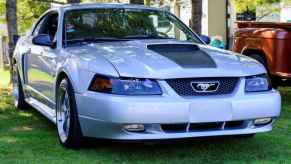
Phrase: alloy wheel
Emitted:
{"points": [[63, 115], [15, 83]]}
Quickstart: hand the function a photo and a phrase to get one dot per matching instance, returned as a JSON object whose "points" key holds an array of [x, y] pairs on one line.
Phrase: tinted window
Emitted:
{"points": [[124, 23], [47, 25], [39, 24]]}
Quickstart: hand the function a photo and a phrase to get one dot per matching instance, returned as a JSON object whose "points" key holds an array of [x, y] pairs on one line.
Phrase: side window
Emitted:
{"points": [[48, 25], [38, 25]]}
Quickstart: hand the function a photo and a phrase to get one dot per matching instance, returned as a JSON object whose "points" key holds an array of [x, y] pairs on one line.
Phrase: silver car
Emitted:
{"points": [[129, 72]]}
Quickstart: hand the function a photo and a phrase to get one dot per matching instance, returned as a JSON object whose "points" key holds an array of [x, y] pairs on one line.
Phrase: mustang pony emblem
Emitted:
{"points": [[205, 86]]}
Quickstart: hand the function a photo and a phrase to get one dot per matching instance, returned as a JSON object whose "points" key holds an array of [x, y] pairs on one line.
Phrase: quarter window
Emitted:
{"points": [[47, 25]]}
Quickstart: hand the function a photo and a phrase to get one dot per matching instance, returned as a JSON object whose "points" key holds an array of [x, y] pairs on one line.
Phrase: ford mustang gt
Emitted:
{"points": [[129, 72]]}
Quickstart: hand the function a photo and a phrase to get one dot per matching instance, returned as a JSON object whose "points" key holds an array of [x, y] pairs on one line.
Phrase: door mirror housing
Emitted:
{"points": [[15, 39], [205, 39], [43, 40]]}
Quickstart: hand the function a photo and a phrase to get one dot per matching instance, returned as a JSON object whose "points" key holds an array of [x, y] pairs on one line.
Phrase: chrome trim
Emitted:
{"points": [[207, 85]]}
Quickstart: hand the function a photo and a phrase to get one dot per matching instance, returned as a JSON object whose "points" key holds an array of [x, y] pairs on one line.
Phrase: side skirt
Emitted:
{"points": [[43, 109]]}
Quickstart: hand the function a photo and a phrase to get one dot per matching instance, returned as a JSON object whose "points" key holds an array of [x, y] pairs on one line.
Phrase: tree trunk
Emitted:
{"points": [[11, 19], [177, 12], [139, 2], [73, 1], [196, 16]]}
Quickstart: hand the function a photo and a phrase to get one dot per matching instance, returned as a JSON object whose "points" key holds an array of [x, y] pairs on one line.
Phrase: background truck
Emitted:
{"points": [[270, 44]]}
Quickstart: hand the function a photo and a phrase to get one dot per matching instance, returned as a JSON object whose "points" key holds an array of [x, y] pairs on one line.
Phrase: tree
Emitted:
{"points": [[250, 6], [11, 21], [30, 10], [2, 13], [196, 15], [2, 8], [287, 2], [27, 12], [244, 5]]}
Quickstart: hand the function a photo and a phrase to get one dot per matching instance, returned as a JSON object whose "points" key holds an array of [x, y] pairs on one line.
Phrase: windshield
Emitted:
{"points": [[123, 24]]}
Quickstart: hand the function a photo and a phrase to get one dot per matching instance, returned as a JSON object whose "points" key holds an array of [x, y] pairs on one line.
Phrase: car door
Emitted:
{"points": [[42, 61]]}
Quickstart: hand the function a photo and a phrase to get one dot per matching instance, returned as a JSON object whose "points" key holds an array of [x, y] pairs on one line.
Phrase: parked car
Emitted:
{"points": [[109, 71], [269, 43]]}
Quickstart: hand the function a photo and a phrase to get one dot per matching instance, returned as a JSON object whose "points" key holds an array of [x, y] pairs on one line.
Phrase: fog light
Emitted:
{"points": [[262, 121], [134, 128]]}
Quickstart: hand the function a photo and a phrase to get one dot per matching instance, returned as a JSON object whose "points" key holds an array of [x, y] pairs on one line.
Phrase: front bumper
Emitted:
{"points": [[104, 115]]}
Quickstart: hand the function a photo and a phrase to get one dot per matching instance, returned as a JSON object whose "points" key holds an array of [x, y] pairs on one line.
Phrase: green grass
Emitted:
{"points": [[4, 77], [27, 137]]}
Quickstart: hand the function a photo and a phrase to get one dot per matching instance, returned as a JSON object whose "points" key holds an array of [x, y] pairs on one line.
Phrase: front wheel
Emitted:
{"points": [[68, 127]]}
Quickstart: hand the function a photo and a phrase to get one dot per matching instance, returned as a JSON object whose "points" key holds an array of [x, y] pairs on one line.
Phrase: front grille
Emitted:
{"points": [[200, 127], [183, 87]]}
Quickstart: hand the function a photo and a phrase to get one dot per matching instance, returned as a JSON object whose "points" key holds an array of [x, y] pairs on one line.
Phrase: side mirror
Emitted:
{"points": [[43, 40], [205, 39], [15, 39]]}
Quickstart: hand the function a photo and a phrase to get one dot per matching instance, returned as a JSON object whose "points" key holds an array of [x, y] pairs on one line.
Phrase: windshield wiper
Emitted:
{"points": [[93, 40], [145, 37]]}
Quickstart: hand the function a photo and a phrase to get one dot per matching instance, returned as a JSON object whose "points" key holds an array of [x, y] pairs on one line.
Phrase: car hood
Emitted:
{"points": [[164, 59]]}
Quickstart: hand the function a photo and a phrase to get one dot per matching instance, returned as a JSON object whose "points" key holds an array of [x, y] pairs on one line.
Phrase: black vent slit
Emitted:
{"points": [[203, 127]]}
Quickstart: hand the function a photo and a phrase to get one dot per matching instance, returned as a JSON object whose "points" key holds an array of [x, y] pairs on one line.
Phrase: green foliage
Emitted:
{"points": [[4, 78], [2, 11], [2, 7], [244, 5], [287, 2], [2, 17], [28, 11]]}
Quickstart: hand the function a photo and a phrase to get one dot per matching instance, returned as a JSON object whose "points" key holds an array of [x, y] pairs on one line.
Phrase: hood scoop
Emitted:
{"points": [[185, 55]]}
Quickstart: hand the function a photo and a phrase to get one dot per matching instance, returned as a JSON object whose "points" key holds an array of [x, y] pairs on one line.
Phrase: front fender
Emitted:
{"points": [[79, 78]]}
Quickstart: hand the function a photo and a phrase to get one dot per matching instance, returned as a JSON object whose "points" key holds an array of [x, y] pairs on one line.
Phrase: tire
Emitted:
{"points": [[243, 136], [260, 59], [275, 80], [18, 94], [68, 126]]}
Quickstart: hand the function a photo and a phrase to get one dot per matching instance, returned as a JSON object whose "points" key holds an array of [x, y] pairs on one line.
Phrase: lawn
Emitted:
{"points": [[27, 137], [4, 77]]}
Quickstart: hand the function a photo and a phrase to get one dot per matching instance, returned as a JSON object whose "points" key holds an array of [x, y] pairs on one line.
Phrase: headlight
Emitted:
{"points": [[258, 83], [125, 86]]}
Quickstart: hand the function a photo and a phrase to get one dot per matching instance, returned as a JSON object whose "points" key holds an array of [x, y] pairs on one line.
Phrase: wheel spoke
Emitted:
{"points": [[63, 115], [15, 85], [67, 126]]}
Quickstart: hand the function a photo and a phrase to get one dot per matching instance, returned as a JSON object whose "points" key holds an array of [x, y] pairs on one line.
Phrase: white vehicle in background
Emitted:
{"points": [[130, 72]]}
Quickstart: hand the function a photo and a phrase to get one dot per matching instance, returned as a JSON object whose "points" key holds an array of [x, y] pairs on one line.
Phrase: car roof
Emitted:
{"points": [[103, 5]]}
